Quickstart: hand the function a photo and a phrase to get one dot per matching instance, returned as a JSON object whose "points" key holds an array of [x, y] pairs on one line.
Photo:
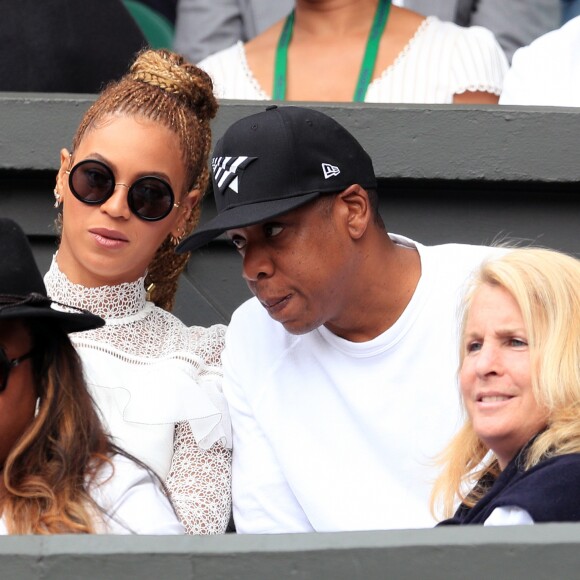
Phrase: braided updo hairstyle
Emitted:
{"points": [[162, 87]]}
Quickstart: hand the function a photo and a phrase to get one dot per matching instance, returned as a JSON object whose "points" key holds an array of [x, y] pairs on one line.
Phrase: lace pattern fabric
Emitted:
{"points": [[136, 327], [200, 484], [157, 381], [114, 303]]}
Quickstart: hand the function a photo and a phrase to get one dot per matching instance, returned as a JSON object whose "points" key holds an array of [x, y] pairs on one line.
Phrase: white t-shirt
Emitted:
{"points": [[332, 435], [509, 516], [547, 72], [441, 60], [132, 501]]}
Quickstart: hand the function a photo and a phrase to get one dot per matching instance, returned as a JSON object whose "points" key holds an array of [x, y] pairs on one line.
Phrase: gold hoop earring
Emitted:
{"points": [[149, 291], [175, 240], [57, 199]]}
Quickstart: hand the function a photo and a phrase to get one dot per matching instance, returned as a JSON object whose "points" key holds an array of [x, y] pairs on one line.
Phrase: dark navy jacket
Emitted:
{"points": [[549, 492]]}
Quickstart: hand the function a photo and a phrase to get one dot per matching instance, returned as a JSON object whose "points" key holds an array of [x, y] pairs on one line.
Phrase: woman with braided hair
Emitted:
{"points": [[129, 190]]}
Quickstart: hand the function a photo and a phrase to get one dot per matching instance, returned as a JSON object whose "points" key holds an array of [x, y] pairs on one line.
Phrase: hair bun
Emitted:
{"points": [[173, 74]]}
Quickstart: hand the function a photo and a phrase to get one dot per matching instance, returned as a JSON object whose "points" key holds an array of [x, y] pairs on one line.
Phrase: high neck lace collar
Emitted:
{"points": [[108, 302]]}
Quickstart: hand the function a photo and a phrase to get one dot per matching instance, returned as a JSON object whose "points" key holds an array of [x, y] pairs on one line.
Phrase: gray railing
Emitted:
{"points": [[473, 552]]}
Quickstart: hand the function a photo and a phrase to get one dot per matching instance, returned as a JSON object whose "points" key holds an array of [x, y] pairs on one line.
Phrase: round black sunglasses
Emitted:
{"points": [[150, 198]]}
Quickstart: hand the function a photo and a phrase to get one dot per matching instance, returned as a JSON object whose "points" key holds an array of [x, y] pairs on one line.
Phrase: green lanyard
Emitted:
{"points": [[368, 64]]}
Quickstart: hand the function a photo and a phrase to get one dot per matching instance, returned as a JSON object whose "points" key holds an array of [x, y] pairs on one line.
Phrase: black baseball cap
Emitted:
{"points": [[275, 161], [22, 289]]}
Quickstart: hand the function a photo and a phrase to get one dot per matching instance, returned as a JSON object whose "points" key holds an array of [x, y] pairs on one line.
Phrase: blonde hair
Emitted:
{"points": [[546, 286], [162, 87]]}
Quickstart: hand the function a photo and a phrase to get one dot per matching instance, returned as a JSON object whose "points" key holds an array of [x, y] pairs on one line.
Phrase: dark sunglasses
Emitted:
{"points": [[7, 364], [150, 198]]}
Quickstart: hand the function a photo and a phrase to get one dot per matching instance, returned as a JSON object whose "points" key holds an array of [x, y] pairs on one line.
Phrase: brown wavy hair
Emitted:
{"points": [[49, 471], [163, 87]]}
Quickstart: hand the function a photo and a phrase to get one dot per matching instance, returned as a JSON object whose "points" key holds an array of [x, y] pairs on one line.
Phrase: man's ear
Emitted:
{"points": [[354, 201], [187, 204]]}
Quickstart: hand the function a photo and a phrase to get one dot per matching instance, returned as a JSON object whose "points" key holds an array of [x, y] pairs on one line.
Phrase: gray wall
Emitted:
{"points": [[446, 174], [475, 553]]}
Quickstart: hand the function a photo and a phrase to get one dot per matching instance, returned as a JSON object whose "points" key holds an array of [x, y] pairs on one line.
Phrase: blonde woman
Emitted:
{"points": [[517, 458]]}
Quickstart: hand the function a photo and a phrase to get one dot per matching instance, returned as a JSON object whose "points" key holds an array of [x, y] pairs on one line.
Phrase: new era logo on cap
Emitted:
{"points": [[225, 171], [330, 170]]}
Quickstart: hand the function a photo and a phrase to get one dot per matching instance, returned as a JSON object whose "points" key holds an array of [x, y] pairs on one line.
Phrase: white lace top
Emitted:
{"points": [[157, 384], [441, 60]]}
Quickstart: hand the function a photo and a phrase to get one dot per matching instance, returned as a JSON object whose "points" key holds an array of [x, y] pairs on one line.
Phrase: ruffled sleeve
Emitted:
{"points": [[141, 400], [207, 345], [478, 62], [200, 483]]}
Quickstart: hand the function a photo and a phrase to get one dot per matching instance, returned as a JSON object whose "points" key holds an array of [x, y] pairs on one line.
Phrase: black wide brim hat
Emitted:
{"points": [[22, 290], [273, 162]]}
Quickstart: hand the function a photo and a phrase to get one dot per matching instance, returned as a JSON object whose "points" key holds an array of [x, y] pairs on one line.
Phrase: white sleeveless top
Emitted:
{"points": [[441, 59]]}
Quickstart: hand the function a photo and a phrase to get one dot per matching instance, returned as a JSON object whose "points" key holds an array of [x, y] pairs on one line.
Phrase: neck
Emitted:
{"points": [[386, 283], [91, 279], [333, 17]]}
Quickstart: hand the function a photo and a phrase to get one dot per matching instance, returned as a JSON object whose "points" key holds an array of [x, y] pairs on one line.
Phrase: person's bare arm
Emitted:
{"points": [[475, 98]]}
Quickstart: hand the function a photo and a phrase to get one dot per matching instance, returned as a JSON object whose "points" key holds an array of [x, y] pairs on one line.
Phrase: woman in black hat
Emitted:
{"points": [[129, 190], [59, 471]]}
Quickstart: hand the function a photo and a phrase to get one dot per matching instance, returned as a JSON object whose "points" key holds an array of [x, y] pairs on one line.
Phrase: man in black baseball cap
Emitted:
{"points": [[340, 372], [291, 156]]}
